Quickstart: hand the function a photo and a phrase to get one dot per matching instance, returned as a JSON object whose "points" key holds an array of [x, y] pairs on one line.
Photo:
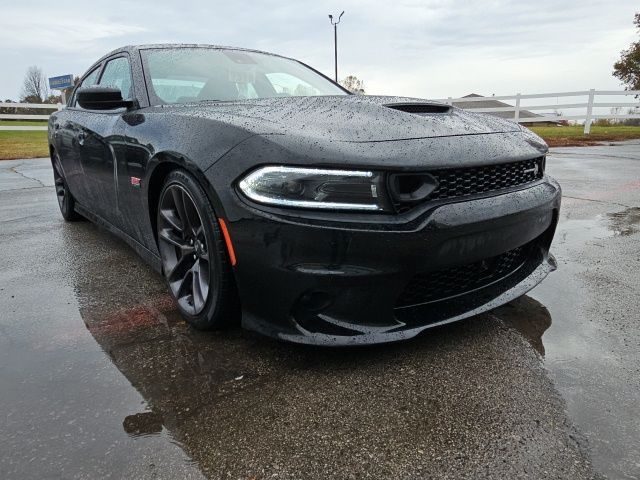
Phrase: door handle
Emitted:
{"points": [[81, 137]]}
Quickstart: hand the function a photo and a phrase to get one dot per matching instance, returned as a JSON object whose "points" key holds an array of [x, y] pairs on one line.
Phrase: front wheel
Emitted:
{"points": [[193, 253], [66, 202]]}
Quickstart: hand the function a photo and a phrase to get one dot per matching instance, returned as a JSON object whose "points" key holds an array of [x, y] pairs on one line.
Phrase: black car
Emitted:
{"points": [[260, 187]]}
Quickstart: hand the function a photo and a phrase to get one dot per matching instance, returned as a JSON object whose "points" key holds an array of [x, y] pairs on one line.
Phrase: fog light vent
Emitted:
{"points": [[407, 189]]}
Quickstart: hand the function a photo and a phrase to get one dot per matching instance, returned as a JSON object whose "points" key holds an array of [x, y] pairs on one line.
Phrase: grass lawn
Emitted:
{"points": [[23, 123], [573, 135], [26, 144], [33, 144]]}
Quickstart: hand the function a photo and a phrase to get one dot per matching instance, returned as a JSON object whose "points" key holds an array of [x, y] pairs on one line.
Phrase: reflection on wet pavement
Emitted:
{"points": [[101, 377], [527, 316], [239, 403], [593, 345], [181, 403], [145, 423]]}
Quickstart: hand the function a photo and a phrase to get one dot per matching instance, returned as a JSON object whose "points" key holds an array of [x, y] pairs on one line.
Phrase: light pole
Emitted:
{"points": [[335, 40]]}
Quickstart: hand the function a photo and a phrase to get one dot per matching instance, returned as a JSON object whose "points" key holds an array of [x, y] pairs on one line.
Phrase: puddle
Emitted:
{"points": [[581, 230], [626, 222], [589, 348], [578, 231]]}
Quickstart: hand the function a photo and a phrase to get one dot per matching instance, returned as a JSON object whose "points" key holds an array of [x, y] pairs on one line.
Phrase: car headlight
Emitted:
{"points": [[317, 188]]}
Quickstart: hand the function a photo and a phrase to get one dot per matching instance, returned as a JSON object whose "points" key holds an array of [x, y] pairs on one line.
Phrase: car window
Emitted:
{"points": [[288, 85], [183, 75], [89, 81], [177, 90], [117, 74]]}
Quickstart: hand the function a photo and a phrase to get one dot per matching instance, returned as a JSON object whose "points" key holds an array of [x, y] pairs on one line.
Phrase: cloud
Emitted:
{"points": [[430, 48], [62, 35]]}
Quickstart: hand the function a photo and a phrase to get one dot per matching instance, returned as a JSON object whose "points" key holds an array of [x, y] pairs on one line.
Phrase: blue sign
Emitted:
{"points": [[61, 82]]}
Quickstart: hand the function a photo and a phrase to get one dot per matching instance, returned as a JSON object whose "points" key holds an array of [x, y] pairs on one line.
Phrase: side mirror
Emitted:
{"points": [[101, 98]]}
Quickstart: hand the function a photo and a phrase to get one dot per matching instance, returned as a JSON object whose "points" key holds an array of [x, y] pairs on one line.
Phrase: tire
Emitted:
{"points": [[194, 257], [66, 201]]}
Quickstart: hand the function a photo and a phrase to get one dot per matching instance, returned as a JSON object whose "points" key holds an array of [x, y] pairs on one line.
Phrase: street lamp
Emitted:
{"points": [[335, 40]]}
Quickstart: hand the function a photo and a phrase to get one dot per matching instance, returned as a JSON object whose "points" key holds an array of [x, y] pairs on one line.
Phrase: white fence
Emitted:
{"points": [[19, 116], [588, 109], [587, 114]]}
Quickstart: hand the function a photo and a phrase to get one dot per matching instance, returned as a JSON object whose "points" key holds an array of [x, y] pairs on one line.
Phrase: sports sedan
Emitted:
{"points": [[264, 191]]}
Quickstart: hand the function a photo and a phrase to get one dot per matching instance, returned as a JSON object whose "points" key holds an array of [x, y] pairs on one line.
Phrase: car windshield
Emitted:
{"points": [[183, 75]]}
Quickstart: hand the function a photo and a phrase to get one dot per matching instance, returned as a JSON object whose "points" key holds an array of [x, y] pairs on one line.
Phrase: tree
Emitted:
{"points": [[53, 99], [69, 91], [8, 109], [34, 87], [353, 84], [627, 68]]}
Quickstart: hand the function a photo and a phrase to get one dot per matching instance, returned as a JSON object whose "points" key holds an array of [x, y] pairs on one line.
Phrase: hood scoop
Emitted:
{"points": [[420, 108]]}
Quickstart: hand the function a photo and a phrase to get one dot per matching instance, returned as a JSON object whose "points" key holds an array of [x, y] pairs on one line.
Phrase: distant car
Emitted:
{"points": [[256, 185]]}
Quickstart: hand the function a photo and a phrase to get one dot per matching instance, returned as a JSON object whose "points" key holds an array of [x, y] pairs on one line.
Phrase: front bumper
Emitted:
{"points": [[339, 284]]}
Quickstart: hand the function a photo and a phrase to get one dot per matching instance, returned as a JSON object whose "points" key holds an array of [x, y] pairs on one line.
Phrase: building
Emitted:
{"points": [[545, 120]]}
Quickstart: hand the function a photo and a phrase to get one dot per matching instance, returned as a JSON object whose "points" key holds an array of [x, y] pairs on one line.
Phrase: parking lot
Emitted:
{"points": [[100, 378]]}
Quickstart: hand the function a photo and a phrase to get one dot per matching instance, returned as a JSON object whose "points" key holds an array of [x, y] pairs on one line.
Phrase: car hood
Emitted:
{"points": [[348, 118]]}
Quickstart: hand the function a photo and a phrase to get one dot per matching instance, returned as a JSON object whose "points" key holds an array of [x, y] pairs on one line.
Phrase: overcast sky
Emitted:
{"points": [[422, 48]]}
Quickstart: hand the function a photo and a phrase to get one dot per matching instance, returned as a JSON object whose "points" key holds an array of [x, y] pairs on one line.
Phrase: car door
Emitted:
{"points": [[66, 129], [101, 143]]}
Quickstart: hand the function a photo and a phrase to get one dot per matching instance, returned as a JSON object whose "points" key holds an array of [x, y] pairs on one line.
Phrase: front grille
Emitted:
{"points": [[461, 182], [451, 282]]}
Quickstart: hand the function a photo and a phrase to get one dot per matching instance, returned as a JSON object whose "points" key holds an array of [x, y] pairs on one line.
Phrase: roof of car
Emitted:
{"points": [[133, 48]]}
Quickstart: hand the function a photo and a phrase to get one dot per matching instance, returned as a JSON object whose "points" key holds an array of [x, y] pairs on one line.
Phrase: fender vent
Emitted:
{"points": [[420, 108]]}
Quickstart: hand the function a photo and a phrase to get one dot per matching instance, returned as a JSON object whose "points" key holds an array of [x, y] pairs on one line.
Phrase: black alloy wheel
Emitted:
{"points": [[66, 202], [193, 254]]}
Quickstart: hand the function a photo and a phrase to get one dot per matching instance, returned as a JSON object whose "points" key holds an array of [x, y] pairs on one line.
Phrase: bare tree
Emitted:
{"points": [[34, 87], [353, 84]]}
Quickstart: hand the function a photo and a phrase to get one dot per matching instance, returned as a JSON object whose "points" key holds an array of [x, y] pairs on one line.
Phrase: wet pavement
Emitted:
{"points": [[100, 378]]}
